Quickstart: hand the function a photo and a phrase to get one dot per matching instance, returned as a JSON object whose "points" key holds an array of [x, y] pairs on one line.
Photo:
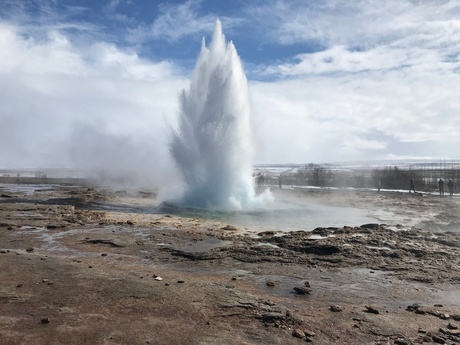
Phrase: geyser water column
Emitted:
{"points": [[213, 146]]}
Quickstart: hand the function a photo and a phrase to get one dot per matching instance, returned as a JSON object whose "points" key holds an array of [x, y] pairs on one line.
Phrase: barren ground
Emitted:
{"points": [[74, 271]]}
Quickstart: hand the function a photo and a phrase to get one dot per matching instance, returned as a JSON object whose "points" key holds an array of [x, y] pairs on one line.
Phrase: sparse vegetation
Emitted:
{"points": [[426, 176]]}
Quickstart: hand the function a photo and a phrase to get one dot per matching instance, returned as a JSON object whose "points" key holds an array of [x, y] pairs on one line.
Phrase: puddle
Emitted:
{"points": [[283, 215], [265, 244], [379, 248], [449, 298], [318, 237], [205, 245], [352, 286], [27, 189]]}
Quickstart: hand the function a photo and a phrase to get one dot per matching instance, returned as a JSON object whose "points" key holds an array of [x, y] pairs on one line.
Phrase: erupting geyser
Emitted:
{"points": [[213, 145]]}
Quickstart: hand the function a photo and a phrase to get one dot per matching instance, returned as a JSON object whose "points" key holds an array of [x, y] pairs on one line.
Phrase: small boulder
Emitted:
{"points": [[335, 308], [370, 226], [309, 333], [452, 326], [371, 309], [298, 333], [302, 290], [438, 340], [230, 228]]}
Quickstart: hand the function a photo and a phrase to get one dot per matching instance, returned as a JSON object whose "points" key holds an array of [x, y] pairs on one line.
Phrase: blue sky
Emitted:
{"points": [[330, 80]]}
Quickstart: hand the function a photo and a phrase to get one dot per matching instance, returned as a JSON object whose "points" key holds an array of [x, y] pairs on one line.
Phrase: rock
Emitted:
{"points": [[335, 308], [438, 340], [298, 333], [104, 254], [427, 339], [19, 285], [270, 283], [447, 331], [413, 307], [420, 311], [307, 284], [401, 341], [266, 233], [29, 249], [371, 309], [181, 281], [158, 278], [309, 333], [321, 249], [45, 320], [230, 228], [302, 290], [452, 326], [370, 226], [275, 318], [129, 222], [320, 231]]}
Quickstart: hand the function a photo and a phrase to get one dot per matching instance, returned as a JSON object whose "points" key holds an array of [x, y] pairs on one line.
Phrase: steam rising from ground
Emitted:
{"points": [[213, 146]]}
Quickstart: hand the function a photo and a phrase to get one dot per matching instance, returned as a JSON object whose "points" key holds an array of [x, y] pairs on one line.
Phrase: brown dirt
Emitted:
{"points": [[78, 265]]}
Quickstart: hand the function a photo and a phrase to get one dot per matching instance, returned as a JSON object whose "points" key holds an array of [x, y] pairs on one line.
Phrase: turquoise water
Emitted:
{"points": [[284, 215]]}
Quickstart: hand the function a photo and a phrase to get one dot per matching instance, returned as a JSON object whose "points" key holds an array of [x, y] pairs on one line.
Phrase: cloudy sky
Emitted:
{"points": [[93, 84]]}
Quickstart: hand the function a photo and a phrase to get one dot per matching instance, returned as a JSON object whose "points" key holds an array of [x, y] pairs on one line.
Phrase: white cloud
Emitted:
{"points": [[178, 21], [353, 23], [94, 106], [382, 82], [339, 59], [383, 85], [323, 119]]}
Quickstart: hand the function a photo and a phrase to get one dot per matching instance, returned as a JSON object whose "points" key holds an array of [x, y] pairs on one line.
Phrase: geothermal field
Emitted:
{"points": [[88, 265], [233, 258]]}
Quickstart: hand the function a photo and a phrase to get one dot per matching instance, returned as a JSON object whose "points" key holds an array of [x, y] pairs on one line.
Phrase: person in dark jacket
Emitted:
{"points": [[441, 186], [412, 185], [450, 185]]}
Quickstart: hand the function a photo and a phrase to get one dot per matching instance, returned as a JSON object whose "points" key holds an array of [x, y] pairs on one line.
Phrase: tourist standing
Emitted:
{"points": [[450, 185], [441, 186], [412, 185]]}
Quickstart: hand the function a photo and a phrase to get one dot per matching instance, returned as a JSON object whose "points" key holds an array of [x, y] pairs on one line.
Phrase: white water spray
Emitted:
{"points": [[213, 146]]}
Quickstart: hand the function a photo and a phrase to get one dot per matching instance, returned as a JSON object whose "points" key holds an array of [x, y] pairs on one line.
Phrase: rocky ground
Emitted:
{"points": [[81, 265]]}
